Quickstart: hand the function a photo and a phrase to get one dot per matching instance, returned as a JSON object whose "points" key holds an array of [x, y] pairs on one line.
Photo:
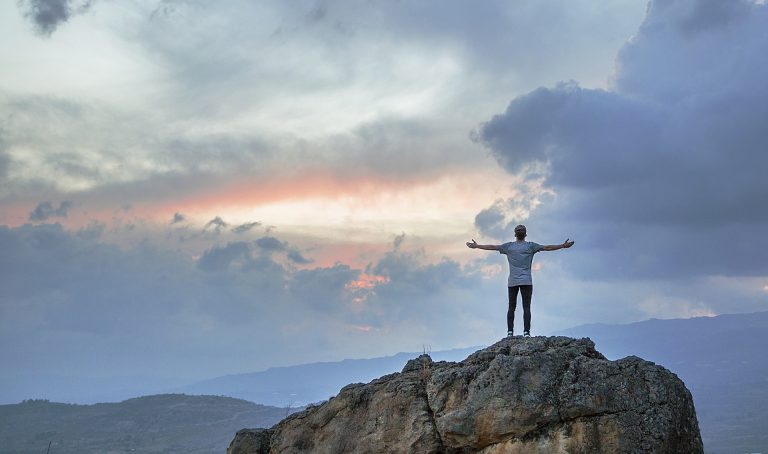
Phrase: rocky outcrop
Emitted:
{"points": [[520, 395]]}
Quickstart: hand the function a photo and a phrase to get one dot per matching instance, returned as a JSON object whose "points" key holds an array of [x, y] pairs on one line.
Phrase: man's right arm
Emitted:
{"points": [[554, 247], [488, 247]]}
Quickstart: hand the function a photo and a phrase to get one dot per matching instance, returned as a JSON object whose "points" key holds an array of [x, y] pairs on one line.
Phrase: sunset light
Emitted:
{"points": [[194, 192]]}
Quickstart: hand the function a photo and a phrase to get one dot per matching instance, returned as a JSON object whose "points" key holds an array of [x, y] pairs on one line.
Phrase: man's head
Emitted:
{"points": [[520, 232]]}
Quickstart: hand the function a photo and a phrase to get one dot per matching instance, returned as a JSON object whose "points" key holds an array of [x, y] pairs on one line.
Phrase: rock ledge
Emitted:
{"points": [[520, 395]]}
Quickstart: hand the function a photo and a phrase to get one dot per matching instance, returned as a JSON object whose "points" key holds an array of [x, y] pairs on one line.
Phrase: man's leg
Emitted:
{"points": [[511, 309], [526, 291]]}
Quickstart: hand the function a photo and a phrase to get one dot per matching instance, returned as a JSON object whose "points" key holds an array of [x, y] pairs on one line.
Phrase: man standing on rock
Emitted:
{"points": [[520, 256]]}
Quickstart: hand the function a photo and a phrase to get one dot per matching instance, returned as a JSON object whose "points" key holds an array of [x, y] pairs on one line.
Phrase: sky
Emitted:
{"points": [[190, 189]]}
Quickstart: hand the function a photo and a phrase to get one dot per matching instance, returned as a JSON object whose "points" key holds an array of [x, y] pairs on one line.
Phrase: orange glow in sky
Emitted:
{"points": [[362, 209], [330, 219], [366, 282]]}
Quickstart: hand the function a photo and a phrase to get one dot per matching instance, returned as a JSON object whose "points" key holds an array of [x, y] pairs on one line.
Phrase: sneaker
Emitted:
{"points": [[509, 333], [526, 334]]}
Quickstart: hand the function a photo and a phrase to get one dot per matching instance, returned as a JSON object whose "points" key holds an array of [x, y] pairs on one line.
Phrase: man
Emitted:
{"points": [[520, 256]]}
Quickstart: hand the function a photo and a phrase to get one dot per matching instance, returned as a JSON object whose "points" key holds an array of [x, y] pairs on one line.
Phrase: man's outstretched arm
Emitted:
{"points": [[487, 247], [553, 247]]}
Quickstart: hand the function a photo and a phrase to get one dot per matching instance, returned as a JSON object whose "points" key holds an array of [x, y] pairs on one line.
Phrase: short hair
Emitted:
{"points": [[520, 232]]}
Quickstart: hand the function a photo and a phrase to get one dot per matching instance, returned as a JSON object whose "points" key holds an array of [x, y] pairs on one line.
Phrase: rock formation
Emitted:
{"points": [[520, 395]]}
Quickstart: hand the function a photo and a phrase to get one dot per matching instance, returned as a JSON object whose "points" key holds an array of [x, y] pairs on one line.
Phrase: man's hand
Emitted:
{"points": [[568, 243], [472, 245]]}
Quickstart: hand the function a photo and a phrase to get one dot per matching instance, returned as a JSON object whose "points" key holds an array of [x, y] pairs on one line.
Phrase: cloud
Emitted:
{"points": [[499, 220], [408, 274], [105, 151], [221, 258], [48, 15], [398, 241], [298, 258], [371, 101], [105, 154], [250, 256], [45, 210], [270, 244], [216, 224], [92, 231], [242, 228], [318, 35], [663, 172], [323, 289], [178, 217]]}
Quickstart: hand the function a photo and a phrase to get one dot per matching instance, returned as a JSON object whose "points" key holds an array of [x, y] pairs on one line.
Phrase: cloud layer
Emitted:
{"points": [[45, 210], [149, 308]]}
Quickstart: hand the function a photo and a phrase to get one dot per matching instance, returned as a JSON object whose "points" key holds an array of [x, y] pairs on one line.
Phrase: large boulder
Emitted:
{"points": [[520, 395]]}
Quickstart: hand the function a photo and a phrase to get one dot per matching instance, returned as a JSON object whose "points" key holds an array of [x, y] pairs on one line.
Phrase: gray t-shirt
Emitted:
{"points": [[520, 256]]}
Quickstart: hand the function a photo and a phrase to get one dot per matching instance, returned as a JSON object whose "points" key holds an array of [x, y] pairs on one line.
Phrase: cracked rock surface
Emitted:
{"points": [[520, 395]]}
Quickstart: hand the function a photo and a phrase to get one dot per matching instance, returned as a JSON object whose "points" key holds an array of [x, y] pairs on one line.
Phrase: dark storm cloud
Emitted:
{"points": [[674, 154], [242, 228], [48, 15], [45, 210]]}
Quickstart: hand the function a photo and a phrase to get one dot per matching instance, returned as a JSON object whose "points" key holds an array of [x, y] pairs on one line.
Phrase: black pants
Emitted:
{"points": [[526, 291]]}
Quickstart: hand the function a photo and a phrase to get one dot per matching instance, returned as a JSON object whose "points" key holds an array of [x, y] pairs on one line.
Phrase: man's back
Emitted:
{"points": [[520, 257]]}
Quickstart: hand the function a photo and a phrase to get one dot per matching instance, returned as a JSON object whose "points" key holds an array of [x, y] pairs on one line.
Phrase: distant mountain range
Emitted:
{"points": [[722, 360], [155, 424], [309, 383]]}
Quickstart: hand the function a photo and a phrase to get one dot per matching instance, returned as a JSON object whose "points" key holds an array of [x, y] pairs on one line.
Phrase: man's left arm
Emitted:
{"points": [[553, 247]]}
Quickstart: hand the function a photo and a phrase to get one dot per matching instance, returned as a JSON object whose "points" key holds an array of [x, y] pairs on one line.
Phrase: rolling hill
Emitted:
{"points": [[170, 423]]}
